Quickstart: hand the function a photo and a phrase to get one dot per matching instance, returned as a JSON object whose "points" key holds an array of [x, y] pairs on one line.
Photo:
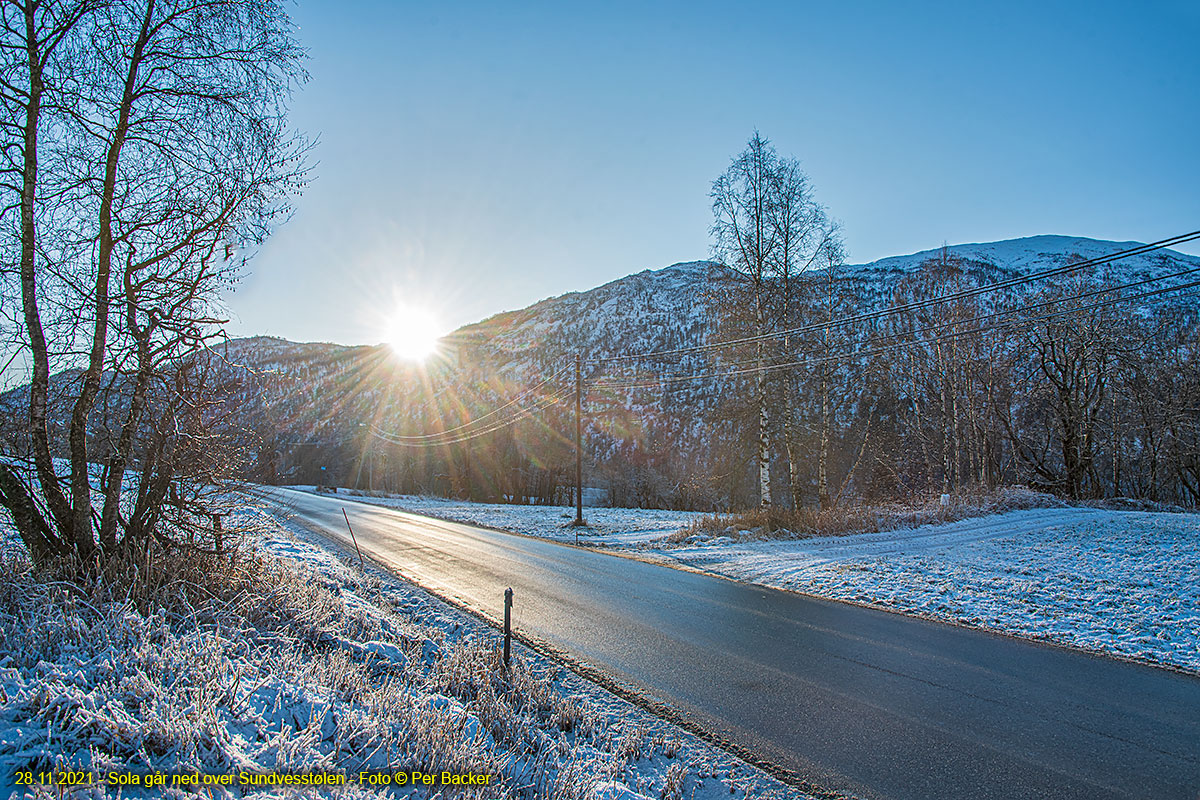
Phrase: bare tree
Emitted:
{"points": [[744, 241], [770, 232], [1071, 354], [166, 153]]}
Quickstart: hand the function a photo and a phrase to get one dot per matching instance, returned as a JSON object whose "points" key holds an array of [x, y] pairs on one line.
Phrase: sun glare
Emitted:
{"points": [[413, 333]]}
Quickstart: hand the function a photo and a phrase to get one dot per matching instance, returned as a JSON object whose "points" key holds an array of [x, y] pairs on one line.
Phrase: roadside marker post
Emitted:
{"points": [[354, 539], [508, 597]]}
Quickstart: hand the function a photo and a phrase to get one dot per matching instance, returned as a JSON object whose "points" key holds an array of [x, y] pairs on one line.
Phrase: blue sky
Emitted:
{"points": [[477, 157]]}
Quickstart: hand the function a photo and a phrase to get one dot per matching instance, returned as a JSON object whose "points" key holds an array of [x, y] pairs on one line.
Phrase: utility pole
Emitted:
{"points": [[578, 446], [361, 458]]}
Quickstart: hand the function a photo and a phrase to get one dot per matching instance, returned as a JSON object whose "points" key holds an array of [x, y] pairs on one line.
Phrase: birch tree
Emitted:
{"points": [[771, 234], [744, 241], [151, 143]]}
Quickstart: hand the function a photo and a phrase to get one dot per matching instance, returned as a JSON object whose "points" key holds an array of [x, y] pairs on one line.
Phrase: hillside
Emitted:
{"points": [[325, 413]]}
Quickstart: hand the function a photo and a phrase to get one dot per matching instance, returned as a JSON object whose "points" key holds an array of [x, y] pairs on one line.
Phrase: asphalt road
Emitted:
{"points": [[856, 700]]}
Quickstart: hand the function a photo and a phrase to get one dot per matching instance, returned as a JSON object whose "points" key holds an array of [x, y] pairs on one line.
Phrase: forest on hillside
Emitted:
{"points": [[950, 378]]}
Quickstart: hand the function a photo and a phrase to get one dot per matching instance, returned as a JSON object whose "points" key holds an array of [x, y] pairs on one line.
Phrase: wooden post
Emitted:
{"points": [[508, 599], [355, 540]]}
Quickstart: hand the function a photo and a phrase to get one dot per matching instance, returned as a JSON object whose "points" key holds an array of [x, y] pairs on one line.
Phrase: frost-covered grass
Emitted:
{"points": [[639, 527], [784, 523], [284, 659]]}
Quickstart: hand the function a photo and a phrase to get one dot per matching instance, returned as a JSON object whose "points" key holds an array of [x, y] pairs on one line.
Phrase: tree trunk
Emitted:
{"points": [[823, 454], [56, 500], [790, 437], [764, 435], [81, 494]]}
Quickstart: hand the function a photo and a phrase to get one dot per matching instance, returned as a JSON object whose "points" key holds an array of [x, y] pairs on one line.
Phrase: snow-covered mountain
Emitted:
{"points": [[1019, 257], [319, 404], [665, 309], [1033, 253], [653, 310]]}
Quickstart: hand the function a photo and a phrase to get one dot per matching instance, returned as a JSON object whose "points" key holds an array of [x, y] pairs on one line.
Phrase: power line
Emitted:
{"points": [[424, 407], [523, 414], [437, 440], [1008, 283]]}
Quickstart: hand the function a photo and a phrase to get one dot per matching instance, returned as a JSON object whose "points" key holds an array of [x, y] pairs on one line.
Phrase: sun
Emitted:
{"points": [[413, 333]]}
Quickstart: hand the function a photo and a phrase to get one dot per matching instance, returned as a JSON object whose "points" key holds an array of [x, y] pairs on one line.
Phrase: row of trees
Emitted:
{"points": [[145, 147], [1067, 388]]}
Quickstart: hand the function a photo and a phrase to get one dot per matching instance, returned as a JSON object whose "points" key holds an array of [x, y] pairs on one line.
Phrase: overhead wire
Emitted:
{"points": [[524, 413], [424, 407]]}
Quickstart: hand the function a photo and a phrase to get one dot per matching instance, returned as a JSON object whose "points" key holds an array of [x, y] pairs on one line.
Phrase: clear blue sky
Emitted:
{"points": [[477, 157]]}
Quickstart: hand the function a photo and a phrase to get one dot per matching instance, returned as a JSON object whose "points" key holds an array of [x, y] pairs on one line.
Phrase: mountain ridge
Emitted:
{"points": [[1019, 256], [326, 405]]}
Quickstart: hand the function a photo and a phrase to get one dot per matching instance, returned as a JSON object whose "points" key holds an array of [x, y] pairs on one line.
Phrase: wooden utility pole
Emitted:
{"points": [[578, 445]]}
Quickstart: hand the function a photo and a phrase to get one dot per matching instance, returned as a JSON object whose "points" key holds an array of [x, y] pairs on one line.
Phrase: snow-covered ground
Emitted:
{"points": [[605, 526], [319, 669], [1121, 582]]}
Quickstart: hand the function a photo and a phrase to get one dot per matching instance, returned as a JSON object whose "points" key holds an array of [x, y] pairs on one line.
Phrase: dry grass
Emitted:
{"points": [[803, 523]]}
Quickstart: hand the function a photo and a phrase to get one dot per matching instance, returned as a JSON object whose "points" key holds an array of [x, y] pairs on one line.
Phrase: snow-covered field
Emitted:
{"points": [[319, 669], [605, 526], [1121, 582]]}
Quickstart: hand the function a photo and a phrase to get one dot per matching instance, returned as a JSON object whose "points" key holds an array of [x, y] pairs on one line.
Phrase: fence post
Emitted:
{"points": [[508, 599], [354, 539]]}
